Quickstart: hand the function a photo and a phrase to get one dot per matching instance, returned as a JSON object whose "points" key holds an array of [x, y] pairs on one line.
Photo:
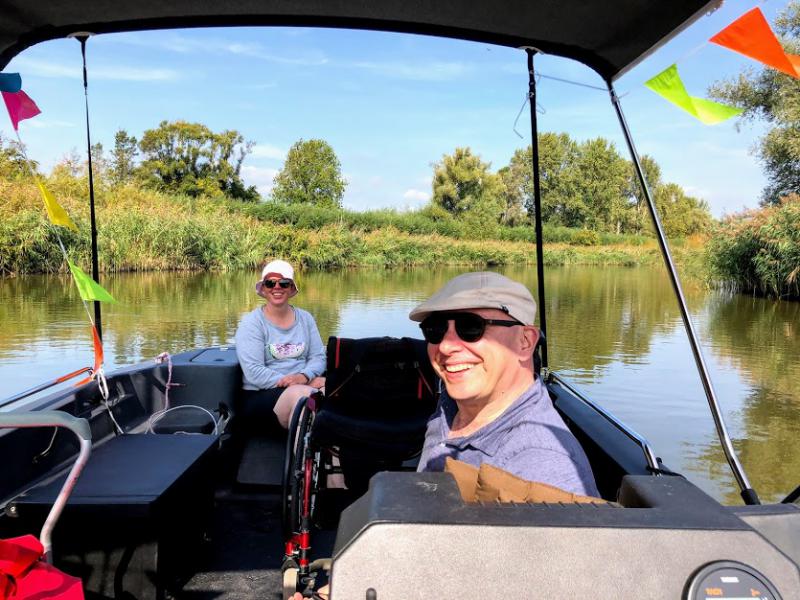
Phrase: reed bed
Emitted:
{"points": [[758, 251], [142, 230]]}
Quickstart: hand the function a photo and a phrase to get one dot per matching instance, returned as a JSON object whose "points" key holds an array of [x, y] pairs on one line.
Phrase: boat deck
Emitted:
{"points": [[243, 558], [245, 548]]}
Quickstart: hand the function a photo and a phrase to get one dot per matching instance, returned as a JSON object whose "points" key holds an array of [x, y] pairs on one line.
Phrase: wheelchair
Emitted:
{"points": [[379, 395]]}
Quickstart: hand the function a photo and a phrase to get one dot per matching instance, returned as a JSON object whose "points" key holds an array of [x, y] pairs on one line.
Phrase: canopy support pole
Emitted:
{"points": [[748, 493], [537, 203], [95, 270]]}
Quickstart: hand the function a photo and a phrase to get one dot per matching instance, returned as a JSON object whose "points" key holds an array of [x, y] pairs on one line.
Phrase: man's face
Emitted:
{"points": [[481, 371]]}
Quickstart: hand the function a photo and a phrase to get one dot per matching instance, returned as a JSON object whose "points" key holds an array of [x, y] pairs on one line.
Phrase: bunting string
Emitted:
{"points": [[20, 106], [749, 35]]}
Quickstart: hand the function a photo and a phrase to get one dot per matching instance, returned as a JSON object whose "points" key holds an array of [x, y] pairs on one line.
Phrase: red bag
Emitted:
{"points": [[23, 575]]}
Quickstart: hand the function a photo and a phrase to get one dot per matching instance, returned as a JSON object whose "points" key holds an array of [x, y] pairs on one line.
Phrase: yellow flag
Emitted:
{"points": [[88, 288], [669, 86], [58, 216]]}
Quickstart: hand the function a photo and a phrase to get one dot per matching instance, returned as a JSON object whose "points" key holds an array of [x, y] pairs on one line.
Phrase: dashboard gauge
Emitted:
{"points": [[729, 580]]}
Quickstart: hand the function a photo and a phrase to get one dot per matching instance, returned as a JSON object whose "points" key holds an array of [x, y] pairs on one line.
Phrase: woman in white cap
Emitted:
{"points": [[279, 349]]}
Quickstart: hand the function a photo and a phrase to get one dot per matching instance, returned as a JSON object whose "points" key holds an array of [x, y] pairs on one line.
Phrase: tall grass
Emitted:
{"points": [[427, 221], [142, 230], [758, 251]]}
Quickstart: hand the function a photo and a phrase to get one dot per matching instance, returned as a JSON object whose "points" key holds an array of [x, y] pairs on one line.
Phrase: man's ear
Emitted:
{"points": [[529, 337]]}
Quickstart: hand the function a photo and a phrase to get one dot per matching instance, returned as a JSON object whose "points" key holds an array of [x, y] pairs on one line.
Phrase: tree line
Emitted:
{"points": [[584, 184]]}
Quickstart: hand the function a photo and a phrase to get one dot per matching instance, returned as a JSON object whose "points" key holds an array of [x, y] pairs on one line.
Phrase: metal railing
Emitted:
{"points": [[80, 427], [43, 386]]}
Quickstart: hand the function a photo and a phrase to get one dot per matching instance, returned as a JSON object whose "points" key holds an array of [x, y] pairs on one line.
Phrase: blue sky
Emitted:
{"points": [[389, 104]]}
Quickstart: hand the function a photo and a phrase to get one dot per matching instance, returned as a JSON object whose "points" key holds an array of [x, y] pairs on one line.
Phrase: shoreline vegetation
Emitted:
{"points": [[146, 230], [175, 201]]}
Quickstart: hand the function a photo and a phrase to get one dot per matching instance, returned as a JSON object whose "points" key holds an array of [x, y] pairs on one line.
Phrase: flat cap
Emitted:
{"points": [[481, 290]]}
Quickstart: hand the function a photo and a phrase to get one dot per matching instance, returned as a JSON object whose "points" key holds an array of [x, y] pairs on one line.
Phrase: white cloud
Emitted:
{"points": [[42, 123], [715, 149], [434, 71], [255, 50], [697, 192], [269, 85], [268, 151], [40, 68], [259, 177], [187, 45], [416, 195]]}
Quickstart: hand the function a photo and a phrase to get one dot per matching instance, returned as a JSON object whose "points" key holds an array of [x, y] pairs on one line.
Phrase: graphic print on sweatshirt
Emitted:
{"points": [[282, 351]]}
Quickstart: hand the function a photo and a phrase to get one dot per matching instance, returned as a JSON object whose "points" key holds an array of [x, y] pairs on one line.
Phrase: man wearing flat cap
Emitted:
{"points": [[481, 337]]}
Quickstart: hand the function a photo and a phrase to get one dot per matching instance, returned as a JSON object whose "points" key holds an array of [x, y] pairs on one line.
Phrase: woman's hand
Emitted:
{"points": [[321, 592], [317, 382], [293, 379]]}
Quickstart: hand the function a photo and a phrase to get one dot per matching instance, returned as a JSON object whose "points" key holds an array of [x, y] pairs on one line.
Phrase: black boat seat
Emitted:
{"points": [[388, 438], [136, 519], [131, 470]]}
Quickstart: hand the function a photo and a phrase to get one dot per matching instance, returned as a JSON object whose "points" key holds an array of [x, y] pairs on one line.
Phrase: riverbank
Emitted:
{"points": [[140, 230], [758, 251]]}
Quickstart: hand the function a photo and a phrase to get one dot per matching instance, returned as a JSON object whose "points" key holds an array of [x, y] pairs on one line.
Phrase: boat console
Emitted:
{"points": [[412, 536]]}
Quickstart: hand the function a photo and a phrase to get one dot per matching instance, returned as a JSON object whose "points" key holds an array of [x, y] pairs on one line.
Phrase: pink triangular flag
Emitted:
{"points": [[20, 107]]}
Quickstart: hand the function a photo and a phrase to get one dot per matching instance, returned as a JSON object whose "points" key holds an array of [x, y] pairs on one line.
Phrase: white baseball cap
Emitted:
{"points": [[276, 268]]}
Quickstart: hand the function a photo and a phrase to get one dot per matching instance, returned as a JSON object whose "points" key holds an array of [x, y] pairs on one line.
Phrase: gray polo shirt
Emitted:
{"points": [[529, 439]]}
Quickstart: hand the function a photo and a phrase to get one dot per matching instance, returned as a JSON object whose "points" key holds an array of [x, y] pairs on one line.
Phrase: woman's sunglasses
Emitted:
{"points": [[284, 283], [469, 326]]}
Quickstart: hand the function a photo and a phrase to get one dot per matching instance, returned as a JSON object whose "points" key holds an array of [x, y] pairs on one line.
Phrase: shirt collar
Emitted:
{"points": [[489, 438]]}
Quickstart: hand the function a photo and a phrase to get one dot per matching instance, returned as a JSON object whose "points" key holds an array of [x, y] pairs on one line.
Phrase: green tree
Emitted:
{"points": [[639, 220], [557, 157], [189, 158], [513, 179], [463, 186], [774, 97], [311, 174], [123, 157], [99, 164], [680, 214], [601, 180], [12, 160]]}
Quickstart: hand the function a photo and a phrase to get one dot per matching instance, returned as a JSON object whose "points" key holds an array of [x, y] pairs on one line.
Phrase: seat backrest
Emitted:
{"points": [[379, 377]]}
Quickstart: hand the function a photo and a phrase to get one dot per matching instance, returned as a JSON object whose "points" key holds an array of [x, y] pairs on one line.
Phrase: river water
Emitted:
{"points": [[615, 333]]}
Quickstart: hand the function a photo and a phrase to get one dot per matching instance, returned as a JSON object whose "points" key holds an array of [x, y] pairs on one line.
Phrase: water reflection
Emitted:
{"points": [[616, 332], [758, 339]]}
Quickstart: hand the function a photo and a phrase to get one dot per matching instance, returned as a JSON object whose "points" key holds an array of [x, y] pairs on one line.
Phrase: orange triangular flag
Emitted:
{"points": [[98, 350], [98, 355], [752, 36]]}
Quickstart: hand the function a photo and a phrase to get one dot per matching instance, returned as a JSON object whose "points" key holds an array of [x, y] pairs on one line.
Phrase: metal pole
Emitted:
{"points": [[748, 493], [95, 271], [537, 202], [81, 428]]}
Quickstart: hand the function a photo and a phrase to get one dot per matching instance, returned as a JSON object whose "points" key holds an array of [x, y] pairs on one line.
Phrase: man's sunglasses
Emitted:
{"points": [[469, 326], [284, 283]]}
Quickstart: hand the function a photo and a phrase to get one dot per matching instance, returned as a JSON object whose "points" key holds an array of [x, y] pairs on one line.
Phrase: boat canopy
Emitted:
{"points": [[610, 37]]}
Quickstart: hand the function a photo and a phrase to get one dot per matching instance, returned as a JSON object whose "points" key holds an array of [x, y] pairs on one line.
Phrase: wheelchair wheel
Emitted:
{"points": [[293, 444], [289, 583], [296, 480]]}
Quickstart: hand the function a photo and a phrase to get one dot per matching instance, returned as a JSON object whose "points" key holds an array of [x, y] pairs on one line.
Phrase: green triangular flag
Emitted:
{"points": [[88, 288], [669, 86]]}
